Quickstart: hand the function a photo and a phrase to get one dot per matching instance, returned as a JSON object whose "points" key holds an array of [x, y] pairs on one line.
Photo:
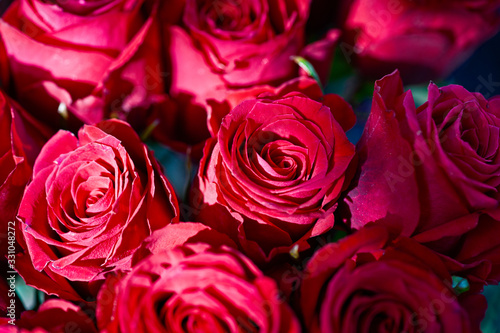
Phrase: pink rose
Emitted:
{"points": [[194, 288], [97, 58], [178, 234], [363, 284], [220, 47], [272, 176], [91, 203], [436, 170]]}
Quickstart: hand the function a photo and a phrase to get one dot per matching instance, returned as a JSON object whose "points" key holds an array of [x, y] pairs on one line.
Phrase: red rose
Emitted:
{"points": [[54, 316], [361, 285], [91, 203], [272, 177], [424, 39], [437, 170], [194, 288], [218, 47], [21, 138], [98, 58]]}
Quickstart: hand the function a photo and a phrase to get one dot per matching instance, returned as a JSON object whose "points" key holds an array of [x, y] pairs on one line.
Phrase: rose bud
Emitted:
{"points": [[94, 59], [437, 170], [91, 203], [362, 284], [272, 176], [425, 40], [195, 288]]}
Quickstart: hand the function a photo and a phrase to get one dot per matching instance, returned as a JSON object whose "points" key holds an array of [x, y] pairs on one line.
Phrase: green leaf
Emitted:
{"points": [[63, 111], [147, 132], [460, 284], [337, 235], [29, 296], [294, 252], [307, 67]]}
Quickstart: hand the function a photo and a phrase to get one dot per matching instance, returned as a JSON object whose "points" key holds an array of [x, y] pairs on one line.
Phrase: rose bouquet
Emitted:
{"points": [[249, 166]]}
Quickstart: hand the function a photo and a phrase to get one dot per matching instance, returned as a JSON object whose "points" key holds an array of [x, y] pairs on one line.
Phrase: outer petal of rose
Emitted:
{"points": [[82, 271], [138, 62], [106, 298], [15, 172], [475, 306], [249, 242], [453, 228], [4, 65], [341, 110], [42, 281], [160, 187], [322, 266], [217, 110], [204, 195], [56, 314], [106, 32], [31, 134], [289, 323], [185, 57], [61, 143], [481, 244], [385, 190], [275, 62], [407, 250], [26, 215], [177, 234], [60, 62], [50, 24], [320, 54], [32, 27], [22, 139], [11, 192], [121, 131]]}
